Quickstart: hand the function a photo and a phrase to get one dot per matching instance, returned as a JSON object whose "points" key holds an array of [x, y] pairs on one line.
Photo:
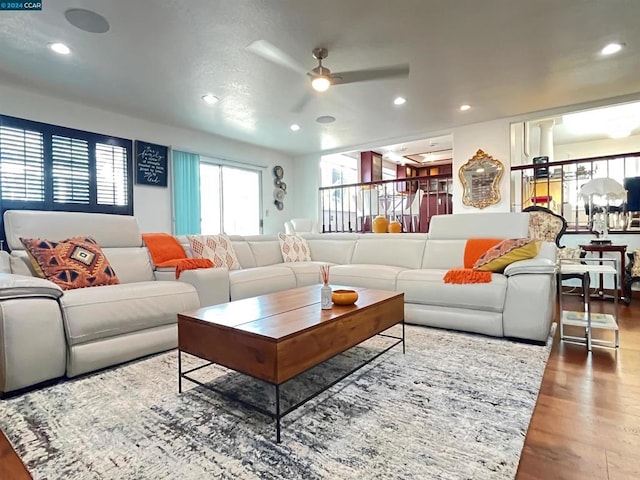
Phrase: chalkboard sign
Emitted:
{"points": [[151, 164]]}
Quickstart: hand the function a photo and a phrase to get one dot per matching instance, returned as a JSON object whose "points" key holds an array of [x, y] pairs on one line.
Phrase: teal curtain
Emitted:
{"points": [[186, 192]]}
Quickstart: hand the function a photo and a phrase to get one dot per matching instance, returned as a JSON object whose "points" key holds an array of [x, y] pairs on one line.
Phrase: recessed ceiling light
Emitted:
{"points": [[400, 101], [465, 107], [60, 48], [295, 127], [326, 119], [611, 49], [210, 99]]}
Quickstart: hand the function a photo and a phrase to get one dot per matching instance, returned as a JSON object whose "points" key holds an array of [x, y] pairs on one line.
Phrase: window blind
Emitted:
{"points": [[21, 164], [70, 170], [49, 167], [111, 174]]}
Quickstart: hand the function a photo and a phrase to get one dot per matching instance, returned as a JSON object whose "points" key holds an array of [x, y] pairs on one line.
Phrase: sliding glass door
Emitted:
{"points": [[230, 200]]}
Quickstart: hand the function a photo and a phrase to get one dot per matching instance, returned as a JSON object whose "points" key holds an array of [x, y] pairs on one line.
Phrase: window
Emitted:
{"points": [[338, 169], [229, 200], [47, 167]]}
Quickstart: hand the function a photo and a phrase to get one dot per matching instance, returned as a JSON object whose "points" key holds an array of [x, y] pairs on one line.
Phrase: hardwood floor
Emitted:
{"points": [[11, 467], [586, 424]]}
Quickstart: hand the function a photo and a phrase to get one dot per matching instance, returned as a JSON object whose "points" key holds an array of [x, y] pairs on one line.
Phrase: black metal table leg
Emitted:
{"points": [[179, 371], [403, 345], [278, 413]]}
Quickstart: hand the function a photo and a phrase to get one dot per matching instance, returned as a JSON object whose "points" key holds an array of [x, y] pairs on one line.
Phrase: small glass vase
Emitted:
{"points": [[325, 297]]}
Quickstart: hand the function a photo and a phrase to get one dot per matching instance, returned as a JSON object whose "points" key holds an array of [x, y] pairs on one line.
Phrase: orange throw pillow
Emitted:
{"points": [[475, 247], [72, 263]]}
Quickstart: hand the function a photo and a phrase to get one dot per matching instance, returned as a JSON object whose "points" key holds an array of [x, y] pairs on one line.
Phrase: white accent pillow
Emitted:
{"points": [[217, 248], [294, 248]]}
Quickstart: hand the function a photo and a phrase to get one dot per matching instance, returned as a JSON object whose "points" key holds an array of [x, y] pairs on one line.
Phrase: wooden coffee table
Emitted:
{"points": [[278, 336]]}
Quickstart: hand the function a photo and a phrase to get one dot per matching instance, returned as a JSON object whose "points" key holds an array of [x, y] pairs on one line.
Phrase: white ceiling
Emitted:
{"points": [[504, 57]]}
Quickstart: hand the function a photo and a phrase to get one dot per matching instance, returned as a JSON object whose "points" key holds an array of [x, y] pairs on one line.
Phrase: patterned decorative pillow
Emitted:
{"points": [[635, 268], [72, 263], [217, 248], [294, 248], [506, 252]]}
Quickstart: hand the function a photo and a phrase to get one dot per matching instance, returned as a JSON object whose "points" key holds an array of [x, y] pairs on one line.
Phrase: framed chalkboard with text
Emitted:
{"points": [[151, 164]]}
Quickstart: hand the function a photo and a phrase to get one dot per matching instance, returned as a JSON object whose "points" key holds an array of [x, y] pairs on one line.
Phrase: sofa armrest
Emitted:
{"points": [[23, 286], [532, 266], [212, 284]]}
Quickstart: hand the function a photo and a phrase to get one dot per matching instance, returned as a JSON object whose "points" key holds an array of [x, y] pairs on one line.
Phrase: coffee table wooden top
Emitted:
{"points": [[277, 336], [279, 315]]}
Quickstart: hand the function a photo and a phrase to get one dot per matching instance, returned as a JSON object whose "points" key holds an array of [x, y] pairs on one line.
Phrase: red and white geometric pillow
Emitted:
{"points": [[217, 248], [294, 248]]}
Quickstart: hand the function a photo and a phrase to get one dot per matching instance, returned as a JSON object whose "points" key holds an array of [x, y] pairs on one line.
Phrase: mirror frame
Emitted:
{"points": [[481, 161]]}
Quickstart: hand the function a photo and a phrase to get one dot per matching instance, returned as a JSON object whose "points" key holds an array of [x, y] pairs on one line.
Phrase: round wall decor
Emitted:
{"points": [[281, 188]]}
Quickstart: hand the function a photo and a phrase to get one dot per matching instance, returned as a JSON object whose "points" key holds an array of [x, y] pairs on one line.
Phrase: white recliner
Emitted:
{"points": [[300, 225]]}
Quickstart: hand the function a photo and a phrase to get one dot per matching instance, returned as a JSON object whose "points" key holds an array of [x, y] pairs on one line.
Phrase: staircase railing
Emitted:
{"points": [[352, 208]]}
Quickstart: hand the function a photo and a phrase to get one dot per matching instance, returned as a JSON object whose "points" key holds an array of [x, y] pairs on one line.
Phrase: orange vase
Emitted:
{"points": [[395, 227], [380, 224]]}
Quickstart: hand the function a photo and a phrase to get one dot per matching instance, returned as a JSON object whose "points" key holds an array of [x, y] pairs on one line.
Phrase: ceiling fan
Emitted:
{"points": [[321, 76]]}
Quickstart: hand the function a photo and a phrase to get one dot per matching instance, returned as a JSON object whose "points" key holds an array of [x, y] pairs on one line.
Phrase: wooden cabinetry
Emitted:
{"points": [[370, 167], [406, 171], [434, 203], [435, 184]]}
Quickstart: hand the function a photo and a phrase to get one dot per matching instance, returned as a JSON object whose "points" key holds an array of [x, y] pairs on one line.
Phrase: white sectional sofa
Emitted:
{"points": [[77, 331]]}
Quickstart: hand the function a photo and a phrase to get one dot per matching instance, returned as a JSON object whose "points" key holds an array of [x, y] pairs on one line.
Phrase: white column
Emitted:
{"points": [[546, 138]]}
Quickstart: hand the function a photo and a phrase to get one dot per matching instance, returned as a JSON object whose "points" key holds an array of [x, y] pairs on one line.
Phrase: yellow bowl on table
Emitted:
{"points": [[344, 297]]}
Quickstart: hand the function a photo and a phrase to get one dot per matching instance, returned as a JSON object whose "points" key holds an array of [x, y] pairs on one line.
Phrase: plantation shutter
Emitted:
{"points": [[21, 164], [49, 167], [111, 174], [70, 170]]}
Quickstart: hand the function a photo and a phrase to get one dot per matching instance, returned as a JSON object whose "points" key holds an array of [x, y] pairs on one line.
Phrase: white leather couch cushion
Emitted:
{"points": [[24, 286], [487, 323], [380, 277], [130, 264], [252, 282], [100, 312], [398, 252], [479, 225], [444, 254], [266, 252], [427, 287], [108, 230], [306, 273], [244, 254], [331, 251]]}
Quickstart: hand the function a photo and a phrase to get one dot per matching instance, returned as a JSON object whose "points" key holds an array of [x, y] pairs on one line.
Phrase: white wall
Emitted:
{"points": [[595, 148], [307, 178], [494, 139], [152, 205]]}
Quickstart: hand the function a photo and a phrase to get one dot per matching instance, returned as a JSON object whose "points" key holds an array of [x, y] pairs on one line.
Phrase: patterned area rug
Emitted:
{"points": [[456, 406]]}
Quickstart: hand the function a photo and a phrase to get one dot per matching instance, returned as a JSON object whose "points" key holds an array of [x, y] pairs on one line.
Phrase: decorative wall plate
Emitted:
{"points": [[279, 205], [278, 171], [283, 186], [279, 194]]}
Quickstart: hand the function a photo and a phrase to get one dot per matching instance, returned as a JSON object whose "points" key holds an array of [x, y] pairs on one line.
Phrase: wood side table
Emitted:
{"points": [[601, 249]]}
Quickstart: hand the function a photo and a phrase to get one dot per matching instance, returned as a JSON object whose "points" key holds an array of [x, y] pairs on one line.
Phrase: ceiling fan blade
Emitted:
{"points": [[371, 74], [270, 52]]}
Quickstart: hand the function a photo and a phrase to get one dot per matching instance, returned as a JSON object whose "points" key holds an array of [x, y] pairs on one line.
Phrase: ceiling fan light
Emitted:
{"points": [[321, 83]]}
